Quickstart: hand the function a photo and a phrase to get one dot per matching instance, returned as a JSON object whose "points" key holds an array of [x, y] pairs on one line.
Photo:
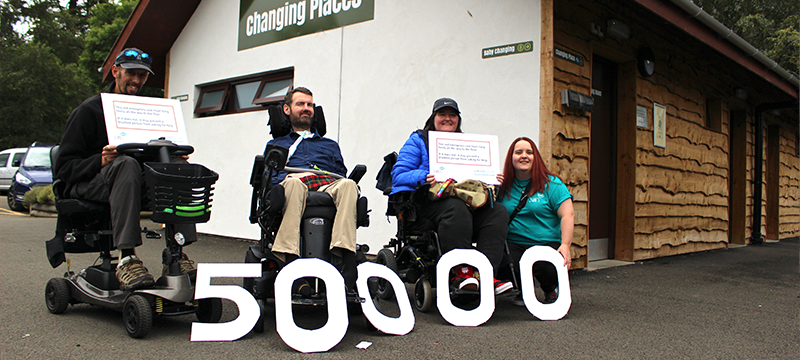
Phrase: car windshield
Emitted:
{"points": [[37, 156]]}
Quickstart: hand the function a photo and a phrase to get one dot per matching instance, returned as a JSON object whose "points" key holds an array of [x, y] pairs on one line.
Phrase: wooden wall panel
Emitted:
{"points": [[789, 193], [680, 194]]}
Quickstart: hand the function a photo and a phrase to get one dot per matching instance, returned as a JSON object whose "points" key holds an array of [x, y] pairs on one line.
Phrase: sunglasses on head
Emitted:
{"points": [[134, 55]]}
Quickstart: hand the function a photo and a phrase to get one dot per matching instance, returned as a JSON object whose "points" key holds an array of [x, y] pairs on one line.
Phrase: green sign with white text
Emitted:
{"points": [[263, 22], [509, 49]]}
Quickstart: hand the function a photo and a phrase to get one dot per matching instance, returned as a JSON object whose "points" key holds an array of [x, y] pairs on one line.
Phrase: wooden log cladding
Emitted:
{"points": [[789, 193], [659, 196], [656, 209], [677, 237], [642, 254], [571, 127], [674, 162], [650, 225], [571, 172], [579, 192], [570, 148], [677, 182], [681, 148]]}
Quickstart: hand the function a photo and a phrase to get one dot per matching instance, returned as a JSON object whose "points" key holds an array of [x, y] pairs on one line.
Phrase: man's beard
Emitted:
{"points": [[302, 121]]}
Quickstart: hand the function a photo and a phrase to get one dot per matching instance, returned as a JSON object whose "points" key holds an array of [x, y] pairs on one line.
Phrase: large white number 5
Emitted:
{"points": [[248, 307]]}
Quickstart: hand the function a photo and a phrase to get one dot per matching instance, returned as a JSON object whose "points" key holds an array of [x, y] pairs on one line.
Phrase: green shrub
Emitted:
{"points": [[42, 195]]}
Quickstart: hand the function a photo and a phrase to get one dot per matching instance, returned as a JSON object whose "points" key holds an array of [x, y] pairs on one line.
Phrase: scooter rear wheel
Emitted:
{"points": [[57, 295], [138, 316]]}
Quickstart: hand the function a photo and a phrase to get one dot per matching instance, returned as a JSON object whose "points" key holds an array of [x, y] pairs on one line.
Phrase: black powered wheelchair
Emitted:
{"points": [[177, 193], [415, 250], [315, 227]]}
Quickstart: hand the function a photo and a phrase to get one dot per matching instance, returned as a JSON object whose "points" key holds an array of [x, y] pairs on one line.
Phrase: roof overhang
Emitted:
{"points": [[155, 24], [704, 33], [153, 27]]}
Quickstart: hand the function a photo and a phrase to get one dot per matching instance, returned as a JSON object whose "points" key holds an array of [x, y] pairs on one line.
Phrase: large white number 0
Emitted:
{"points": [[317, 340], [449, 312], [558, 309], [248, 307], [395, 326]]}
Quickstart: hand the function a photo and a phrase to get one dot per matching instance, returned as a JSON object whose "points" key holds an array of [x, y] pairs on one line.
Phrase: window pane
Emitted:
{"points": [[3, 160], [212, 98], [38, 156], [275, 88], [245, 94]]}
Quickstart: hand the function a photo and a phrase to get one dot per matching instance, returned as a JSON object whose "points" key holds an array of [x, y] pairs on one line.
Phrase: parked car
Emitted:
{"points": [[9, 162], [34, 171]]}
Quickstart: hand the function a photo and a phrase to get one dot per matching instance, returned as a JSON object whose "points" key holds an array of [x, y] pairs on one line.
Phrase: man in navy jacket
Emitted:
{"points": [[309, 150]]}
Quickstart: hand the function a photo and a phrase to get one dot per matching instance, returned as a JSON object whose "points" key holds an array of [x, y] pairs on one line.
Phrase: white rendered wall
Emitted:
{"points": [[376, 80]]}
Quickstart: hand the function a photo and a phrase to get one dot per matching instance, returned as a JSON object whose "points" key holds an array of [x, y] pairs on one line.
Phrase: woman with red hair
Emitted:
{"points": [[540, 207]]}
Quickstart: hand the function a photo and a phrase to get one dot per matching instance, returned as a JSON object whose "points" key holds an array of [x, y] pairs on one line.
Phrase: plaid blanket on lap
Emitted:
{"points": [[313, 182]]}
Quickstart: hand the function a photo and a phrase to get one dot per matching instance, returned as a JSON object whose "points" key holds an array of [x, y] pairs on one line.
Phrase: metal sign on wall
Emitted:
{"points": [[263, 22]]}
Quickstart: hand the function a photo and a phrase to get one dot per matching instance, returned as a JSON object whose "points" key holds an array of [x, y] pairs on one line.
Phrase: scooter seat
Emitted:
{"points": [[70, 207]]}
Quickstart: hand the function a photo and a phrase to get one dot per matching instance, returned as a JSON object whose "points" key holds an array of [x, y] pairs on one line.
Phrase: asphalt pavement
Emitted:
{"points": [[738, 303]]}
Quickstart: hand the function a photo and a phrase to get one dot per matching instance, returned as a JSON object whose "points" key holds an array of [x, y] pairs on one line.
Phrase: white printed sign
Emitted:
{"points": [[139, 119], [463, 156]]}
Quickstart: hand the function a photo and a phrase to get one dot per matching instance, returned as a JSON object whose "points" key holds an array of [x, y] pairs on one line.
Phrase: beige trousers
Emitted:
{"points": [[344, 193]]}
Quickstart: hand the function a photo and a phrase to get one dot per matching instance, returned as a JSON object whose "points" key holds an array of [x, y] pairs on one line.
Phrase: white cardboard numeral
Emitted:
{"points": [[558, 309], [317, 340], [454, 315], [249, 310], [395, 326]]}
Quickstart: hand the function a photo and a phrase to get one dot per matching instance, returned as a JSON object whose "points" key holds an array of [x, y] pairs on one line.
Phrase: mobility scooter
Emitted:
{"points": [[178, 193]]}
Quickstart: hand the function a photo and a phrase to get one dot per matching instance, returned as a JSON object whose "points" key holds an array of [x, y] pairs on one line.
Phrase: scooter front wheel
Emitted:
{"points": [[57, 295], [209, 310], [138, 316]]}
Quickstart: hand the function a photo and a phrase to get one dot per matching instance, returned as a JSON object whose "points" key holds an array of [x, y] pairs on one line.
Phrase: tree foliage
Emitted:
{"points": [[49, 64], [772, 26]]}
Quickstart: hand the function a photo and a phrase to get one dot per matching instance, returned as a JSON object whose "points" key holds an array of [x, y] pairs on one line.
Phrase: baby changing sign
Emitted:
{"points": [[463, 156], [139, 119]]}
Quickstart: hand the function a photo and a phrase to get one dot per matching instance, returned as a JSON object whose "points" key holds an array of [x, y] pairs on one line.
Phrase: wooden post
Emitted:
{"points": [[737, 179], [626, 163], [546, 85], [773, 180]]}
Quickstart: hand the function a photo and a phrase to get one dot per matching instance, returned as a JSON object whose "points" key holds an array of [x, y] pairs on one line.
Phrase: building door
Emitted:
{"points": [[602, 167]]}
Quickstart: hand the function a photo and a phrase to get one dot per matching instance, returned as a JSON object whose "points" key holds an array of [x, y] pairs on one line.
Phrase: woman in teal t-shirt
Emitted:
{"points": [[545, 216]]}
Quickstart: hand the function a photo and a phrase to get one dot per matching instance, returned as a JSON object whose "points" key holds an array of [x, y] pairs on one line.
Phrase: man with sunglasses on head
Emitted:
{"points": [[93, 170]]}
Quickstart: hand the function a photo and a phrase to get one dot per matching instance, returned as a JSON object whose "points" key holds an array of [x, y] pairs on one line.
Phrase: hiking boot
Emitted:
{"points": [[550, 297], [465, 279], [502, 286], [132, 274], [187, 267]]}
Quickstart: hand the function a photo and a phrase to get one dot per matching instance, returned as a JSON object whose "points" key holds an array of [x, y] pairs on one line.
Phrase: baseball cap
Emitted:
{"points": [[445, 102], [133, 58]]}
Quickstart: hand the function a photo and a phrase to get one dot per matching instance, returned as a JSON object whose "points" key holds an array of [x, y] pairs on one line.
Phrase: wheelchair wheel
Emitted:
{"points": [[137, 315], [209, 310], [57, 295], [386, 257], [262, 309], [249, 283], [423, 294]]}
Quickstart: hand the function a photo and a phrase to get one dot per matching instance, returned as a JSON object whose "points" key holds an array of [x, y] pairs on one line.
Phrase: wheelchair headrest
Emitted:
{"points": [[53, 155], [384, 177], [279, 124]]}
